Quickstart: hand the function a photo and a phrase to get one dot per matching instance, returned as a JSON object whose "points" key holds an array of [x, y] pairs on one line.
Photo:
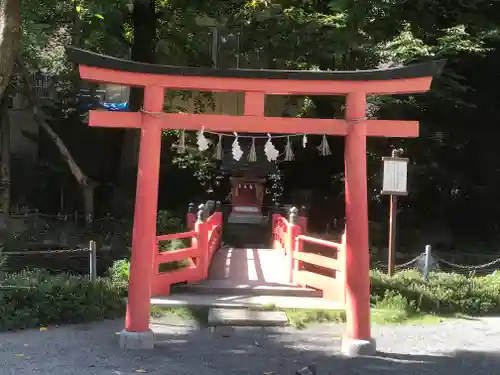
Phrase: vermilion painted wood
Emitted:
{"points": [[254, 124], [331, 287], [292, 233], [205, 240], [254, 103], [280, 230], [318, 260], [319, 241], [162, 281], [214, 228], [144, 234], [190, 220], [303, 224], [201, 243], [357, 272], [176, 236], [274, 86], [176, 255]]}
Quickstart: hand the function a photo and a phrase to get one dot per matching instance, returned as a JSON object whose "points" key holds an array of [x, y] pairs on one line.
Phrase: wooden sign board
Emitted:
{"points": [[395, 179]]}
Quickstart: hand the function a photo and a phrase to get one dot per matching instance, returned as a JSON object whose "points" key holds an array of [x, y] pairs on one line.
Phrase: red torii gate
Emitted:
{"points": [[355, 85]]}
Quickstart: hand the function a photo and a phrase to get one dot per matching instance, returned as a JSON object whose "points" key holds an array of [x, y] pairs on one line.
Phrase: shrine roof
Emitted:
{"points": [[87, 58]]}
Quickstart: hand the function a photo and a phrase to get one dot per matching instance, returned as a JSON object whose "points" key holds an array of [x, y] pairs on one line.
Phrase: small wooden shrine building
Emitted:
{"points": [[248, 177]]}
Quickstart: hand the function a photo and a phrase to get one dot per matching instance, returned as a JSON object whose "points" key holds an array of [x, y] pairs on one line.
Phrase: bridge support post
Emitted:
{"points": [[358, 338], [191, 216], [201, 242], [137, 334], [293, 232], [303, 219]]}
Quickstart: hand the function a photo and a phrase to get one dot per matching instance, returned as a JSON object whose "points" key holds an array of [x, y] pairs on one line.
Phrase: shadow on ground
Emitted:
{"points": [[92, 349], [270, 351]]}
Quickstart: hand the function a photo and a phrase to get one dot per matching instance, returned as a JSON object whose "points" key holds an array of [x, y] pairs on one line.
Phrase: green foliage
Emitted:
{"points": [[119, 271], [37, 299], [444, 293], [446, 184], [167, 223]]}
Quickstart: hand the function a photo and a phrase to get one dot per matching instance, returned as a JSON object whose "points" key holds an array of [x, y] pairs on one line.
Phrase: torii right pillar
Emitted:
{"points": [[357, 339]]}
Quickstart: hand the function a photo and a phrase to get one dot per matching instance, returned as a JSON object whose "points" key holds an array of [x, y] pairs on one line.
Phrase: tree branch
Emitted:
{"points": [[75, 169]]}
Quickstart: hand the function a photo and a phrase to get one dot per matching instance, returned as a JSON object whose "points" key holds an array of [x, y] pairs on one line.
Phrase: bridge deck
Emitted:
{"points": [[249, 266]]}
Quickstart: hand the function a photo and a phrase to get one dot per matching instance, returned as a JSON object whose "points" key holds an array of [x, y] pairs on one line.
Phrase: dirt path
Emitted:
{"points": [[451, 348]]}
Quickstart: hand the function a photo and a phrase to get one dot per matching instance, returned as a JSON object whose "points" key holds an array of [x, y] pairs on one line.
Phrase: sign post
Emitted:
{"points": [[394, 184]]}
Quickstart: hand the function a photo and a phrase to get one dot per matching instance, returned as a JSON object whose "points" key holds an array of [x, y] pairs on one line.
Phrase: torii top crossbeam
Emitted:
{"points": [[255, 84]]}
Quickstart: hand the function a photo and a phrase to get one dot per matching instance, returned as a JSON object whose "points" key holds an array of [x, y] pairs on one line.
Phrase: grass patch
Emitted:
{"points": [[198, 315], [301, 318], [387, 317]]}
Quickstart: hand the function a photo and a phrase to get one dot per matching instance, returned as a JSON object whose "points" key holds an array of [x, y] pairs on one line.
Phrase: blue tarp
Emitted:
{"points": [[121, 107], [116, 106]]}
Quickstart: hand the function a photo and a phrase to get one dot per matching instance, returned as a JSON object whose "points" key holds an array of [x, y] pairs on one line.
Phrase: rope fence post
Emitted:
{"points": [[93, 261], [427, 264], [2, 260]]}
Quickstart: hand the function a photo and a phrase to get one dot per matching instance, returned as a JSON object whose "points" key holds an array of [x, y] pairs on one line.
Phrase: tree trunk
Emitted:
{"points": [[10, 39], [5, 181], [87, 185], [143, 50], [88, 203]]}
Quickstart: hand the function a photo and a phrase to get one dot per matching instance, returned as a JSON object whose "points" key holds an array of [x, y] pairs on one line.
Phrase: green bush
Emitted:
{"points": [[168, 223], [36, 298], [119, 271], [443, 293]]}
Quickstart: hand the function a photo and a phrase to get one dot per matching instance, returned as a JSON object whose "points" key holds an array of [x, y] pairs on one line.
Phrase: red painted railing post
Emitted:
{"points": [[297, 264], [201, 242], [303, 219], [274, 218], [191, 216], [293, 232], [341, 256]]}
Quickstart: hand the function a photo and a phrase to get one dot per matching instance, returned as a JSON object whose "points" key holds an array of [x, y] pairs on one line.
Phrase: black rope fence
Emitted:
{"points": [[438, 263], [15, 261]]}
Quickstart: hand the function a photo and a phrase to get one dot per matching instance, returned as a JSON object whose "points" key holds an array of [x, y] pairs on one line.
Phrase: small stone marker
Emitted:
{"points": [[246, 317]]}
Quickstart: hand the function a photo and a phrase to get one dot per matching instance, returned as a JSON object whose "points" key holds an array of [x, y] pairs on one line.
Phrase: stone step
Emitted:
{"points": [[250, 288], [246, 318], [252, 302], [235, 218], [244, 235]]}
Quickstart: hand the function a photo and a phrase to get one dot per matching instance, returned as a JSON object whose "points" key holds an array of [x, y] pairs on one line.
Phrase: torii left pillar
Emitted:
{"points": [[137, 334]]}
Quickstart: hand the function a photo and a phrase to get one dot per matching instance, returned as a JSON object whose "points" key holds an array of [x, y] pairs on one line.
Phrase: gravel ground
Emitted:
{"points": [[466, 347]]}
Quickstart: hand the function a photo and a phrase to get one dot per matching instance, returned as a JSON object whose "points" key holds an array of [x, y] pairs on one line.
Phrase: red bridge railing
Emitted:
{"points": [[325, 271], [204, 236]]}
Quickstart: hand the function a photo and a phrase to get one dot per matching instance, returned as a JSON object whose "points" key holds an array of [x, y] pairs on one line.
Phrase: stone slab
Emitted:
{"points": [[137, 340], [251, 288], [246, 317], [356, 348], [244, 301]]}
